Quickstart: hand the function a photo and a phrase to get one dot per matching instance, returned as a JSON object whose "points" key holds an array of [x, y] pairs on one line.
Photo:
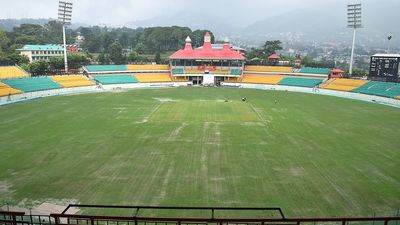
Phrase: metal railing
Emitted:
{"points": [[63, 218]]}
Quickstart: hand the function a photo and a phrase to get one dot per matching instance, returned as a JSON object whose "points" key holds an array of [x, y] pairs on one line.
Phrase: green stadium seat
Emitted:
{"points": [[385, 89], [177, 71], [31, 84], [101, 68], [311, 70], [236, 72], [300, 82], [115, 79]]}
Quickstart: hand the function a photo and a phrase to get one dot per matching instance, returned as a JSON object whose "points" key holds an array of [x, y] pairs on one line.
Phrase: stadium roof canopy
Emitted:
{"points": [[41, 47], [220, 46], [207, 51]]}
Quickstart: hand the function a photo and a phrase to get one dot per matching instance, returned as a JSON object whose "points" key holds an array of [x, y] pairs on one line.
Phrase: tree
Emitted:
{"points": [[139, 48], [269, 48], [115, 51], [133, 56], [56, 63], [157, 58], [103, 58], [39, 68]]}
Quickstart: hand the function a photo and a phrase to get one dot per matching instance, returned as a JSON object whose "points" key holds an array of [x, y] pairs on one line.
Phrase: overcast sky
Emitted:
{"points": [[119, 12]]}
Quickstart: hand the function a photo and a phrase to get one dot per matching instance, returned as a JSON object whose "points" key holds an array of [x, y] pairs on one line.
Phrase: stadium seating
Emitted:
{"points": [[194, 71], [385, 89], [274, 69], [32, 84], [180, 79], [300, 82], [343, 84], [103, 68], [219, 72], [311, 70], [178, 71], [6, 90], [115, 79], [11, 72], [72, 80], [236, 71], [147, 67], [262, 79], [397, 97], [232, 80], [153, 77]]}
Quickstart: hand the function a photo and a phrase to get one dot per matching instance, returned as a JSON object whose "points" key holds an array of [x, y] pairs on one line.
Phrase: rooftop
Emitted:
{"points": [[387, 55], [207, 51], [51, 47]]}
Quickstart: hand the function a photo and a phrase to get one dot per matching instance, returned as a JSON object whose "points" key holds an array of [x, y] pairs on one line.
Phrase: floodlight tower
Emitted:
{"points": [[65, 16], [354, 22]]}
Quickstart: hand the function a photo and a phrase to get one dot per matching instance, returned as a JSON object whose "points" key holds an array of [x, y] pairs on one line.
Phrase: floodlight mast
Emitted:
{"points": [[65, 16], [354, 22]]}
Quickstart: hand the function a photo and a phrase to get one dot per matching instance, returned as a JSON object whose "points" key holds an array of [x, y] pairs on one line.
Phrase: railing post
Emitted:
{"points": [[14, 219]]}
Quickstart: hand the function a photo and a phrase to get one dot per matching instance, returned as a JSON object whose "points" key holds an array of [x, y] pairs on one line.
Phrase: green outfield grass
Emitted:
{"points": [[311, 155]]}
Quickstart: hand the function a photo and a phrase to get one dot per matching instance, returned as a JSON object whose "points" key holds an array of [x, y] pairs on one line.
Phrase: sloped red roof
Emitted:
{"points": [[274, 56], [337, 71], [207, 52]]}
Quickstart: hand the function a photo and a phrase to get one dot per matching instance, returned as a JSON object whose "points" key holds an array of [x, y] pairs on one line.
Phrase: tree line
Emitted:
{"points": [[100, 44]]}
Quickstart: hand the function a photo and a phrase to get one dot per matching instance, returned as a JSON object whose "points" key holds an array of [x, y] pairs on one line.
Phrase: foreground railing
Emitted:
{"points": [[63, 218]]}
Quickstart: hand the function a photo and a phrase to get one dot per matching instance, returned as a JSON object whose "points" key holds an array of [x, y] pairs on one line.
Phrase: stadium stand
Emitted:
{"points": [[11, 72], [103, 68], [236, 71], [72, 80], [31, 84], [274, 69], [219, 72], [315, 70], [115, 79], [194, 71], [343, 84], [178, 71], [6, 90], [262, 79], [153, 77], [147, 67], [300, 82], [385, 89], [180, 79], [232, 80]]}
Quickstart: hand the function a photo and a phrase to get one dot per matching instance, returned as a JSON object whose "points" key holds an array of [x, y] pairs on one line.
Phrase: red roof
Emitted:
{"points": [[337, 71], [207, 52], [274, 56]]}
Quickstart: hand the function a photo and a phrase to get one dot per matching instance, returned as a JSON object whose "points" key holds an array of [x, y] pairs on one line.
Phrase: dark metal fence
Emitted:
{"points": [[63, 218]]}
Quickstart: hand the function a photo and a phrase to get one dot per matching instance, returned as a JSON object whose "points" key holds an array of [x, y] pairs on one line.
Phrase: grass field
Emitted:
{"points": [[311, 155]]}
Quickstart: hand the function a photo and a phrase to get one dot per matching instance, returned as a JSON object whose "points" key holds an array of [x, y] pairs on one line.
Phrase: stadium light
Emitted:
{"points": [[354, 22], [65, 17]]}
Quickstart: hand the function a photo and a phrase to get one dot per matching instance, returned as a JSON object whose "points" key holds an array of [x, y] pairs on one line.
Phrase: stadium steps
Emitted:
{"points": [[72, 80], [385, 89], [115, 79], [311, 70], [32, 84], [262, 79], [8, 72], [153, 77], [6, 90], [300, 82], [343, 84]]}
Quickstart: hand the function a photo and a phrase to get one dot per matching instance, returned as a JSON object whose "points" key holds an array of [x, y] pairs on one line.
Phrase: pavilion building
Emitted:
{"points": [[207, 65]]}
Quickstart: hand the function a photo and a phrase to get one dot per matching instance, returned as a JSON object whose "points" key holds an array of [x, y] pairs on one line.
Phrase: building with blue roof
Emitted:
{"points": [[41, 52]]}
